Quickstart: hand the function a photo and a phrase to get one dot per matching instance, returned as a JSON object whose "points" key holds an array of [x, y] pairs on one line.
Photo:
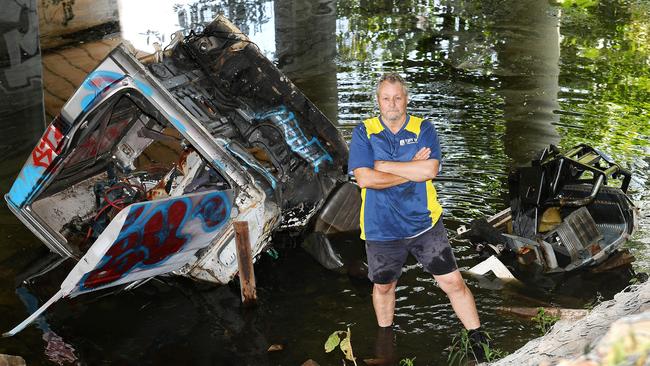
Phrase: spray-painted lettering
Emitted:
{"points": [[310, 150], [45, 151], [33, 172], [155, 231]]}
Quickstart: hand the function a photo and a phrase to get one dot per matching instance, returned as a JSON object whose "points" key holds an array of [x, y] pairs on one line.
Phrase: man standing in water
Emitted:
{"points": [[394, 158]]}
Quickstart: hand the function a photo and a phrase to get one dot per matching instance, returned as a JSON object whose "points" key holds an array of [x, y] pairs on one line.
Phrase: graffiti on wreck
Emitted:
{"points": [[46, 149], [155, 231], [99, 80], [90, 148], [310, 150], [212, 211], [33, 173]]}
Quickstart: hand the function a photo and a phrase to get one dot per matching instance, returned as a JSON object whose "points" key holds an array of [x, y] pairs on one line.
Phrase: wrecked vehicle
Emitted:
{"points": [[151, 161], [567, 211]]}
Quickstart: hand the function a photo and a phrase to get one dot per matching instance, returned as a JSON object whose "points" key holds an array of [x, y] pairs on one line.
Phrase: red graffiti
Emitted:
{"points": [[101, 81], [85, 150], [125, 254], [161, 239], [98, 143], [45, 151], [111, 134], [152, 244], [151, 234]]}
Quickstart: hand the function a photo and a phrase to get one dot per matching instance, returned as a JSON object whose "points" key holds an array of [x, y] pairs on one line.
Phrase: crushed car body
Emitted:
{"points": [[151, 161], [568, 211]]}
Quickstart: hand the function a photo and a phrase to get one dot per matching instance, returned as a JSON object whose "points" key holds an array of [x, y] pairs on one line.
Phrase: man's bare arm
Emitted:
{"points": [[373, 178], [415, 171]]}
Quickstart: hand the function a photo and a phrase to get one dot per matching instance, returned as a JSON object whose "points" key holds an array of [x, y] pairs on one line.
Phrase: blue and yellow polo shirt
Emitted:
{"points": [[401, 211]]}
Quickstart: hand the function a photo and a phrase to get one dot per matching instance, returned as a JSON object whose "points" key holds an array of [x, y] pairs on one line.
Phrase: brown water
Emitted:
{"points": [[500, 80]]}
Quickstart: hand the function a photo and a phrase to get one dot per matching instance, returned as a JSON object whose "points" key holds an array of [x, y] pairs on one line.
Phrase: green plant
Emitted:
{"points": [[343, 340], [493, 354], [461, 350], [407, 361], [544, 321]]}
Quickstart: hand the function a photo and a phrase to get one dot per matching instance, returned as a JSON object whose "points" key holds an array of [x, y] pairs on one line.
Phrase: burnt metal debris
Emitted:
{"points": [[568, 211], [151, 161]]}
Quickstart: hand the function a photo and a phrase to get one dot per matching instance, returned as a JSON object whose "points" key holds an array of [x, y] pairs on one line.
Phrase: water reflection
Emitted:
{"points": [[305, 45], [527, 65], [253, 17]]}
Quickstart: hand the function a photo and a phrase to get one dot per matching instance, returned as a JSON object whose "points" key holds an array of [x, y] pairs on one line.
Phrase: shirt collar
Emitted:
{"points": [[406, 122]]}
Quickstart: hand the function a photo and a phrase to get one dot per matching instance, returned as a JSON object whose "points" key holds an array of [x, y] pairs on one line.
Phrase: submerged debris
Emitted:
{"points": [[567, 211]]}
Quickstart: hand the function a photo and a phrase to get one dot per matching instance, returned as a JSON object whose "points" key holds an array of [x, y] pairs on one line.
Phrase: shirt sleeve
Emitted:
{"points": [[429, 138], [361, 154]]}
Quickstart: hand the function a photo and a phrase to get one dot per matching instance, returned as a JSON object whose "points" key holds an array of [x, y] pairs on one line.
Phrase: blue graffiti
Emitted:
{"points": [[253, 164], [219, 165], [310, 150], [99, 80], [27, 182], [96, 82], [214, 211], [180, 126], [144, 88], [152, 233]]}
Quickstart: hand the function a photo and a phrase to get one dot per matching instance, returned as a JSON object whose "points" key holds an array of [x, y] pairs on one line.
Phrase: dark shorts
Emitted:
{"points": [[431, 249]]}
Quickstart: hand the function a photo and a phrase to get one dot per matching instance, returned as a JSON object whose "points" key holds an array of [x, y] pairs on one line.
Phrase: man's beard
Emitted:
{"points": [[393, 116]]}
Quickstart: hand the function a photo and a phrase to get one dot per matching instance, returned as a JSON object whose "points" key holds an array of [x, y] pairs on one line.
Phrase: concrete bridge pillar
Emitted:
{"points": [[21, 95]]}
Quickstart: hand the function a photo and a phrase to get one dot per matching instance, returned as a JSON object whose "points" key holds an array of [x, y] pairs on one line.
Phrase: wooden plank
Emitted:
{"points": [[562, 313], [245, 262]]}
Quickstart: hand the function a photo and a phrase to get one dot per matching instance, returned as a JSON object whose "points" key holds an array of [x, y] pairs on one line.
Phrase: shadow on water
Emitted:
{"points": [[499, 79]]}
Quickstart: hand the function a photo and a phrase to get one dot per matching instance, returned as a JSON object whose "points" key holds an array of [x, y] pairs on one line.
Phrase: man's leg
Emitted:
{"points": [[383, 300], [460, 297], [385, 261], [433, 251]]}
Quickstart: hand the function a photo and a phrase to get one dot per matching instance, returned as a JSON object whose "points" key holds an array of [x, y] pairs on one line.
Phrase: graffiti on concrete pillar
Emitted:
{"points": [[58, 11], [19, 46]]}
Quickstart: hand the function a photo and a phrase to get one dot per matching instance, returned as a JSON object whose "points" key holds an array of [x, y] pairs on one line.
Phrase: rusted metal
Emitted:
{"points": [[620, 259], [245, 264]]}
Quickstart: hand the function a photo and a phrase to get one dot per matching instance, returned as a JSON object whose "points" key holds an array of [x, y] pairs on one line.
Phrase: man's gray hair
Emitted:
{"points": [[392, 77]]}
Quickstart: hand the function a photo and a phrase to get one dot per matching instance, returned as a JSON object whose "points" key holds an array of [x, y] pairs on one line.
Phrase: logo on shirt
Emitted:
{"points": [[412, 140]]}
